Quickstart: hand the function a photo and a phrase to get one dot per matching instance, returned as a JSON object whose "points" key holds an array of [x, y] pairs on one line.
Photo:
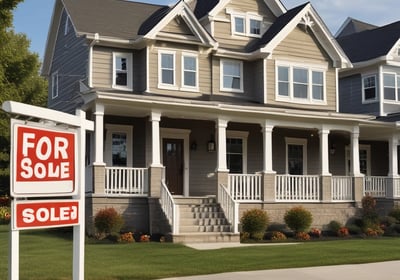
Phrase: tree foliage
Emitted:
{"points": [[19, 80]]}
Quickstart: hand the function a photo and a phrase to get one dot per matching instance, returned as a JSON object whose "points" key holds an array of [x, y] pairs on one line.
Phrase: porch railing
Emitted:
{"points": [[229, 206], [126, 181], [302, 188], [245, 187], [396, 187], [169, 207], [376, 186], [342, 188]]}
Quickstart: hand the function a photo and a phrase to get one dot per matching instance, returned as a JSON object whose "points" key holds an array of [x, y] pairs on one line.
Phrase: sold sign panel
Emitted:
{"points": [[45, 214], [44, 161]]}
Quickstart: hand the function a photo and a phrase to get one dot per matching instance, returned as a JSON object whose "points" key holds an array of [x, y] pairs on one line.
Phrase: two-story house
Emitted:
{"points": [[207, 108]]}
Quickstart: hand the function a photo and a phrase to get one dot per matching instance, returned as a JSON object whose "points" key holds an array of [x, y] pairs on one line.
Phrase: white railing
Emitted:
{"points": [[304, 188], [169, 207], [342, 188], [376, 186], [230, 207], [396, 187], [126, 181], [245, 187]]}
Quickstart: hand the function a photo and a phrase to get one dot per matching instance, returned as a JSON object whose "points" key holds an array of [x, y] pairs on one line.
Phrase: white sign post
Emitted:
{"points": [[47, 160]]}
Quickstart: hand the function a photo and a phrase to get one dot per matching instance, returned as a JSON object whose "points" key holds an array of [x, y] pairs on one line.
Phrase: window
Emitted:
{"points": [[246, 24], [300, 84], [369, 88], [189, 75], [232, 75], [166, 69], [236, 151], [118, 145], [54, 85], [364, 157], [391, 86], [296, 156], [122, 73], [255, 27]]}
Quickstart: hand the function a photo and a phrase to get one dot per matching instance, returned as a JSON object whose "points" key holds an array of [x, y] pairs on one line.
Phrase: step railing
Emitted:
{"points": [[169, 207], [376, 186], [342, 189], [126, 181], [299, 188], [245, 187], [230, 207]]}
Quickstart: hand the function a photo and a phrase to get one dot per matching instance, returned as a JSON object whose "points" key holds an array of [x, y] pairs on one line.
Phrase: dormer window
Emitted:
{"points": [[246, 24], [122, 71], [231, 75]]}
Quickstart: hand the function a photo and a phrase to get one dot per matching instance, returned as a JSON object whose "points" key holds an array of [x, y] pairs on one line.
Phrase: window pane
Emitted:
{"points": [[119, 157], [318, 85], [300, 75], [190, 79], [390, 93], [369, 88], [283, 88], [255, 27], [167, 77], [167, 61], [167, 69], [283, 81], [234, 155], [189, 63], [121, 72], [300, 91], [121, 79], [317, 78], [239, 25], [389, 80], [295, 159], [189, 76], [231, 75], [120, 63], [318, 92], [369, 93]]}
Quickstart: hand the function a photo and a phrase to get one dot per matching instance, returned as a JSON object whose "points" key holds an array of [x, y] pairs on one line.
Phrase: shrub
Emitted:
{"points": [[145, 238], [343, 232], [5, 201], [126, 237], [354, 229], [255, 222], [278, 236], [108, 221], [334, 226], [5, 215], [244, 236], [369, 212], [302, 236], [315, 232], [373, 232], [395, 213], [298, 219]]}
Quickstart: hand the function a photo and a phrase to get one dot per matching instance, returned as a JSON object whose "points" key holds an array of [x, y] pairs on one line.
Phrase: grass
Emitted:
{"points": [[47, 255]]}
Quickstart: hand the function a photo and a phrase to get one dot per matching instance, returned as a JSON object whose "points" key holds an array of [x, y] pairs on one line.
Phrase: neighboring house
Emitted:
{"points": [[372, 86], [207, 108]]}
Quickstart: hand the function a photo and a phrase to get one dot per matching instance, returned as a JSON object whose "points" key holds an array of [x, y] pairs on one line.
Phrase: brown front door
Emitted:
{"points": [[173, 162]]}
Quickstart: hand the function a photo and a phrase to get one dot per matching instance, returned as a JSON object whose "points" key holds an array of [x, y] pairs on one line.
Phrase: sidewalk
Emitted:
{"points": [[372, 271]]}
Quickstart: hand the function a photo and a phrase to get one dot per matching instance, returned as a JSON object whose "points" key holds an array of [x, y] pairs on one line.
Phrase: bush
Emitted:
{"points": [[5, 215], [302, 236], [255, 222], [354, 229], [278, 236], [343, 232], [334, 226], [395, 213], [108, 221], [369, 212], [298, 219]]}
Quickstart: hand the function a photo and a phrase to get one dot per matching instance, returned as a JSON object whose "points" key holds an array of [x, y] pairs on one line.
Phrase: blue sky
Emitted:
{"points": [[32, 17]]}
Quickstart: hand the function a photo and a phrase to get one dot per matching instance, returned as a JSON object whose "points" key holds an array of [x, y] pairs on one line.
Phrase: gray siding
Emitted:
{"points": [[350, 97], [70, 60]]}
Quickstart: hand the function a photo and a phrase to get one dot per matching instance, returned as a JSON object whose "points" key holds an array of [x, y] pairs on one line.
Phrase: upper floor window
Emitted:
{"points": [[231, 75], [54, 85], [189, 71], [166, 75], [300, 83], [122, 71], [391, 86], [246, 24], [369, 88]]}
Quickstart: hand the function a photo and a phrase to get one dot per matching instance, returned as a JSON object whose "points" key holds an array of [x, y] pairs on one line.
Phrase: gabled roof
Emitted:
{"points": [[203, 7], [287, 22], [352, 25], [371, 44]]}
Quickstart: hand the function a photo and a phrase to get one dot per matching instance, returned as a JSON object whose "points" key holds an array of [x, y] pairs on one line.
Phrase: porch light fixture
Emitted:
{"points": [[211, 145], [332, 149]]}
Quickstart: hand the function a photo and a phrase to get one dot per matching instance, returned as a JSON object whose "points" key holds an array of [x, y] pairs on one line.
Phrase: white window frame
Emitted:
{"points": [[396, 86], [298, 142], [348, 164], [371, 100], [222, 88], [243, 135], [116, 128], [162, 85], [196, 71], [54, 85], [247, 17], [323, 68], [129, 71]]}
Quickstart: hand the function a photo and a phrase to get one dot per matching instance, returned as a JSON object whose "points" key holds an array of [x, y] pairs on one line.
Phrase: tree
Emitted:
{"points": [[19, 80]]}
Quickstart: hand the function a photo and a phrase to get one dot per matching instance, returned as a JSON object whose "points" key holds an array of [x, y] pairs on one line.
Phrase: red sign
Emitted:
{"points": [[44, 161], [45, 214]]}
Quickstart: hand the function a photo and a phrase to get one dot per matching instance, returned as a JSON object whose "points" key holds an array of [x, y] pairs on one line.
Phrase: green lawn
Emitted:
{"points": [[45, 255]]}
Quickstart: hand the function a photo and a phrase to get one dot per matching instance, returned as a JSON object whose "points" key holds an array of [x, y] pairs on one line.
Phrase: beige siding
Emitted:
{"points": [[301, 47], [102, 68], [204, 73], [222, 26], [177, 26]]}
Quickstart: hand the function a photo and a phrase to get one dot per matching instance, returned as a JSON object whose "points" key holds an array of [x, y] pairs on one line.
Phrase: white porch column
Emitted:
{"points": [[324, 151], [355, 152], [221, 144], [155, 139], [99, 135], [393, 166], [267, 144]]}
